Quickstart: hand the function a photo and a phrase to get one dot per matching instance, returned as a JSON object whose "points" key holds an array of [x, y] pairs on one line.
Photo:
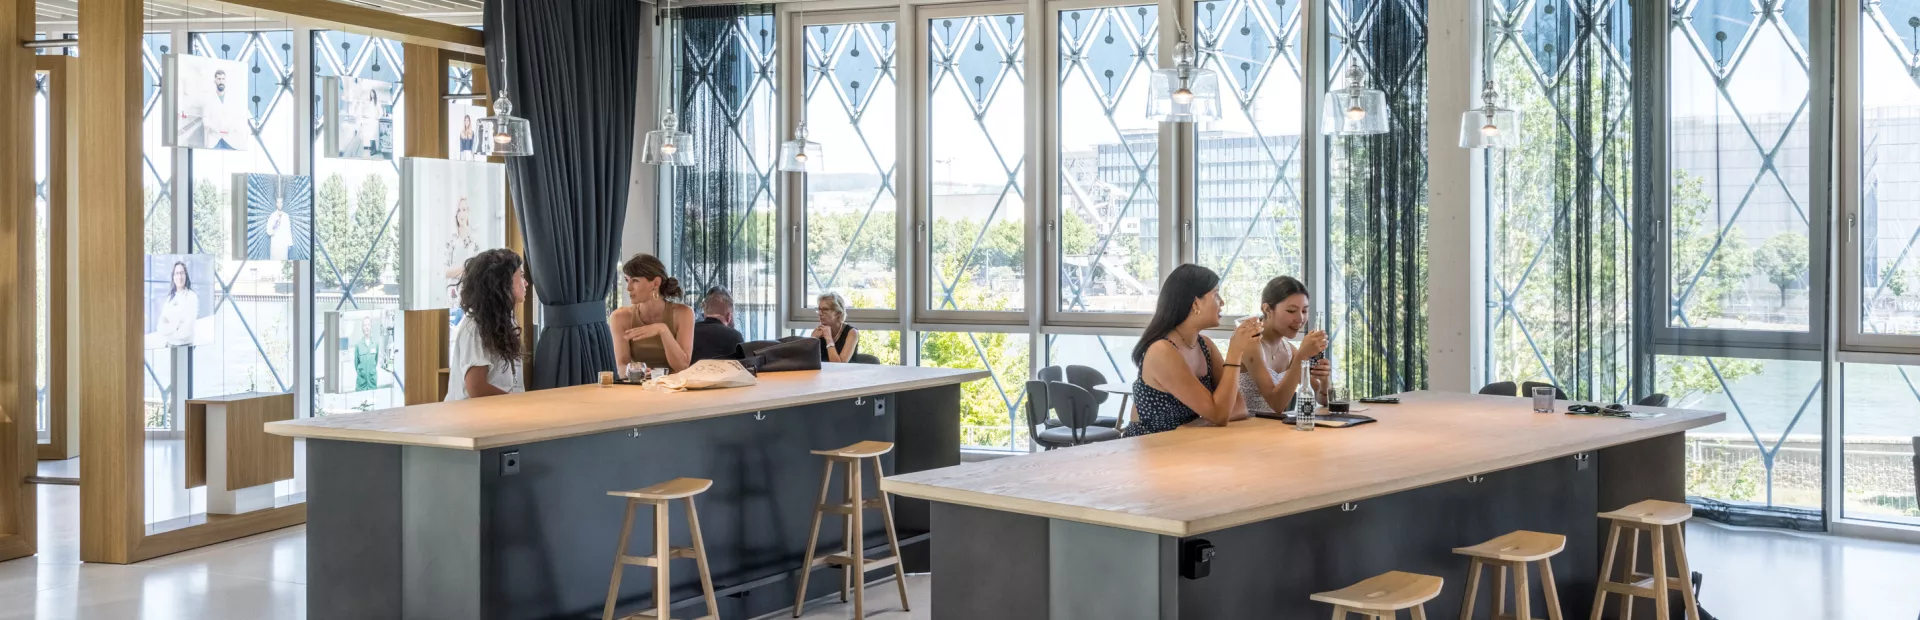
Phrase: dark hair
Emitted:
{"points": [[1187, 283], [186, 274], [647, 266], [486, 293], [1280, 289], [717, 297]]}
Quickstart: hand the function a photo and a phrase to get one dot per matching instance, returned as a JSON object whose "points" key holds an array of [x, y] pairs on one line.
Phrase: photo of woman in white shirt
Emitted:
{"points": [[487, 358], [181, 309]]}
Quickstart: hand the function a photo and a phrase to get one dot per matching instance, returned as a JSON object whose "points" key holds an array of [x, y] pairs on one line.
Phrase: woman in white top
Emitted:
{"points": [[486, 359], [1273, 369], [182, 309]]}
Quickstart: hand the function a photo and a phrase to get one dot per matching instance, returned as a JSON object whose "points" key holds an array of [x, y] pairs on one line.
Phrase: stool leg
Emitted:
{"points": [[1500, 591], [1686, 571], [1606, 572], [1551, 590], [662, 549], [1339, 613], [813, 538], [1473, 590], [858, 544], [1522, 598], [846, 534], [1659, 573], [613, 589], [893, 537], [1633, 569], [1420, 612], [700, 559]]}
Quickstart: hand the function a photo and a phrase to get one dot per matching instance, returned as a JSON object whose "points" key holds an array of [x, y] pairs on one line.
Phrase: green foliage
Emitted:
{"points": [[1894, 281], [1710, 477], [210, 203], [347, 223], [984, 411], [1784, 259], [1692, 241], [159, 224]]}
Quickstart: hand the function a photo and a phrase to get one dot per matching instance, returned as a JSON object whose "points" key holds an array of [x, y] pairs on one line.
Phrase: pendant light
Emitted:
{"points": [[510, 136], [799, 154], [1184, 94], [668, 146], [1355, 110], [1489, 126]]}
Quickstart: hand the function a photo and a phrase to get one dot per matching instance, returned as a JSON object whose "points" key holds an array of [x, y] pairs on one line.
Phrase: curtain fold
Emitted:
{"points": [[720, 212], [1377, 216], [571, 67]]}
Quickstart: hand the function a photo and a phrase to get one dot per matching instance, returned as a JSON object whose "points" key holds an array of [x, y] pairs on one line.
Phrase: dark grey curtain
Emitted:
{"points": [[1377, 219], [572, 73]]}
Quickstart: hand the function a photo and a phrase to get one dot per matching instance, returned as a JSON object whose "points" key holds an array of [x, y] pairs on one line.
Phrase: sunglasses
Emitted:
{"points": [[1615, 410]]}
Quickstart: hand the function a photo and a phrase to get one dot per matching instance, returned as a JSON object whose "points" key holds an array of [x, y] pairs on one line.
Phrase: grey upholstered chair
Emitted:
{"points": [[1062, 414], [1501, 388], [1086, 377], [1653, 400]]}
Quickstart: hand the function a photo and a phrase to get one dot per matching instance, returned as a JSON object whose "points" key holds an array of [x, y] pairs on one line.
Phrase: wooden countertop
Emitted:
{"points": [[1196, 480], [584, 410]]}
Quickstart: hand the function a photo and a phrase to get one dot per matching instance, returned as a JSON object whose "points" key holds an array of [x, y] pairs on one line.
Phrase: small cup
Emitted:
{"points": [[658, 373], [1543, 399], [606, 378]]}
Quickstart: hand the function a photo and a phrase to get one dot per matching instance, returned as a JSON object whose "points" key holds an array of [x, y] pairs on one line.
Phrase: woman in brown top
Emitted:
{"points": [[653, 330]]}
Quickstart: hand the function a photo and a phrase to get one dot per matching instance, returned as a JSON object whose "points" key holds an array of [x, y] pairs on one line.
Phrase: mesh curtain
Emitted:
{"points": [[720, 210], [1377, 213]]}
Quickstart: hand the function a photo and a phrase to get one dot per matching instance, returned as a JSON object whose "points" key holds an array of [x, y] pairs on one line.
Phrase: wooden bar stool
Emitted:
{"points": [[658, 496], [853, 559], [1514, 551], [1381, 596], [1658, 519]]}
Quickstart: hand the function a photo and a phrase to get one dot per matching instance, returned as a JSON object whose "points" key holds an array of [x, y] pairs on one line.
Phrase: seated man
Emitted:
{"points": [[714, 336]]}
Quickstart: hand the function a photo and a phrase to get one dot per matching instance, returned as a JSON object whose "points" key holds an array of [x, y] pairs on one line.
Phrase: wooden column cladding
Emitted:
{"points": [[17, 451], [63, 157], [426, 330], [111, 306], [112, 498]]}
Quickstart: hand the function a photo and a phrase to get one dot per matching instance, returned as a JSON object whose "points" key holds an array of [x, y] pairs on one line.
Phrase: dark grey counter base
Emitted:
{"points": [[413, 532], [993, 564]]}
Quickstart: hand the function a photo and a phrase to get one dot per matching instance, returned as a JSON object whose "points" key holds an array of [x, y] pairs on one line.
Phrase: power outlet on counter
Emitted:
{"points": [[879, 407]]}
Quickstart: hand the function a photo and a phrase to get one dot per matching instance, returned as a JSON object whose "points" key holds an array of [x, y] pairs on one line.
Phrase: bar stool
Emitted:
{"points": [[1514, 551], [1658, 519], [658, 496], [853, 559], [1379, 597]]}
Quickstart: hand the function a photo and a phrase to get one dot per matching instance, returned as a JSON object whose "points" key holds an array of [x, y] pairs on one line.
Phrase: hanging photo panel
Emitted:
{"points": [[361, 347], [205, 103], [180, 294], [272, 217], [359, 118], [450, 211], [465, 141]]}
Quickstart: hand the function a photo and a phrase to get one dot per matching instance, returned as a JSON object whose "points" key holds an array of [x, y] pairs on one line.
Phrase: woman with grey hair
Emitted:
{"points": [[838, 340]]}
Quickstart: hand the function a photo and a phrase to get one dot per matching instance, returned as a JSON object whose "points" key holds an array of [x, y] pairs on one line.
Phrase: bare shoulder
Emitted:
{"points": [[621, 315], [679, 310]]}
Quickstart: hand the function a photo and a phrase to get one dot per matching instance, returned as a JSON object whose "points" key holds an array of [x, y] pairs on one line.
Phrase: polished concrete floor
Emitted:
{"points": [[1750, 575]]}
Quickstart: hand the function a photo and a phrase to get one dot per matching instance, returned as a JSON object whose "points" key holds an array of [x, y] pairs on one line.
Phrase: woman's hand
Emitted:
{"points": [[1312, 344], [644, 332], [1321, 372], [823, 333], [1246, 340]]}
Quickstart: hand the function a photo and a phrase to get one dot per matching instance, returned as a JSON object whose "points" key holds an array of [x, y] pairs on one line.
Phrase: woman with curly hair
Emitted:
{"points": [[487, 358], [653, 330]]}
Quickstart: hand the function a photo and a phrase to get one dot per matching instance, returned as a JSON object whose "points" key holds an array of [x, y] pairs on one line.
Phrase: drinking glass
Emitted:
{"points": [[1543, 399], [636, 371]]}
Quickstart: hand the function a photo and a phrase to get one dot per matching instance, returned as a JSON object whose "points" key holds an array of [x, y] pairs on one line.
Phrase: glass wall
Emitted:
{"points": [[1107, 158], [976, 160], [850, 100]]}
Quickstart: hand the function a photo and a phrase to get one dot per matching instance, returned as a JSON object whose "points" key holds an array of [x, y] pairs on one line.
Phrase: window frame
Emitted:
{"points": [[1655, 154], [1851, 129], [791, 62]]}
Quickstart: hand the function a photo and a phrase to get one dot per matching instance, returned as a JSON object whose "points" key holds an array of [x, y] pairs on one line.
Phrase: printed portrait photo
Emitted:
{"points": [[272, 217], [181, 291], [450, 211], [206, 103], [360, 351], [359, 118]]}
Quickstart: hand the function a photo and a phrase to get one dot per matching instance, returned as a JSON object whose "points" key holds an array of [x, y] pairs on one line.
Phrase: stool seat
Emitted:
{"points": [[862, 450], [1391, 591], [1652, 512], [676, 488], [1518, 546]]}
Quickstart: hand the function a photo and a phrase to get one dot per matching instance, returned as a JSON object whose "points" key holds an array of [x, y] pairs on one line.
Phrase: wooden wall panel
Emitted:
{"points": [[426, 347], [112, 502], [254, 457], [193, 424], [17, 321]]}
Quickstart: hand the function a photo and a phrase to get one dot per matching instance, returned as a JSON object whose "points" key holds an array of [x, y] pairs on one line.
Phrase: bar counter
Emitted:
{"points": [[497, 508], [1104, 530]]}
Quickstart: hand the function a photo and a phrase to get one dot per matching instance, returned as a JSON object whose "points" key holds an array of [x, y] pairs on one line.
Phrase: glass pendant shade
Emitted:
{"points": [[1183, 94], [668, 146], [507, 135], [1489, 126], [1355, 110], [799, 154]]}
